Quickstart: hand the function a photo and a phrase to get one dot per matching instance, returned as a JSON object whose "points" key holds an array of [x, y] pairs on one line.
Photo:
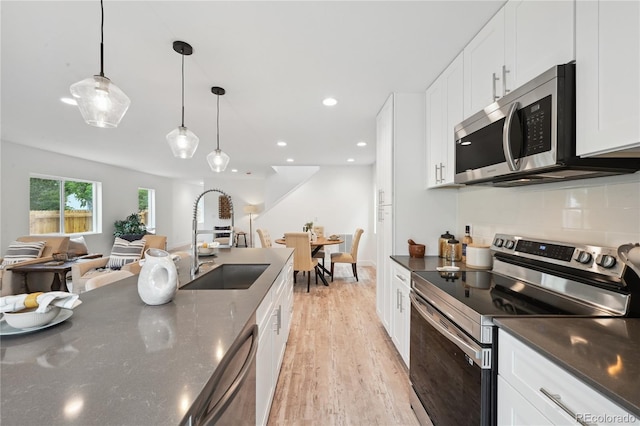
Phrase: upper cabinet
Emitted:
{"points": [[483, 60], [384, 153], [524, 39], [444, 108], [608, 78]]}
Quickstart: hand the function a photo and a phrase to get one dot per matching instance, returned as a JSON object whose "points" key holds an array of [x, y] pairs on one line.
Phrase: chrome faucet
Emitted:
{"points": [[195, 263]]}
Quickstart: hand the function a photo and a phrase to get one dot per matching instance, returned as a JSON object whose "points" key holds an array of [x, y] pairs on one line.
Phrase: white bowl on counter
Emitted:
{"points": [[29, 318]]}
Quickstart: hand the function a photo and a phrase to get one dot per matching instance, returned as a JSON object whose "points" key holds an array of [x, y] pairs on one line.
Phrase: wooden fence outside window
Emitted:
{"points": [[48, 221]]}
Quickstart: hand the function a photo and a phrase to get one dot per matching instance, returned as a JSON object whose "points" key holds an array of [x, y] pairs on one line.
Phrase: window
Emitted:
{"points": [[147, 208], [63, 206]]}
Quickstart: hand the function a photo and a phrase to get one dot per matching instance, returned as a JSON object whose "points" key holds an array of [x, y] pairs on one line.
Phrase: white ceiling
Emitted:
{"points": [[277, 60]]}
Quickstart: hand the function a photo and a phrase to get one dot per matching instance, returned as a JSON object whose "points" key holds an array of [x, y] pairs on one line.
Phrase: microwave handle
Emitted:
{"points": [[514, 164]]}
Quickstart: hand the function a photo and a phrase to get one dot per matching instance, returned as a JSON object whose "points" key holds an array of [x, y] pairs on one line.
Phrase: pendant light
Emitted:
{"points": [[183, 142], [217, 159], [101, 103]]}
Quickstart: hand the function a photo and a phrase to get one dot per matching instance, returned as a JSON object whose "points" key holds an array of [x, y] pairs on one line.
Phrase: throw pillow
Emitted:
{"points": [[20, 251], [124, 252], [77, 247]]}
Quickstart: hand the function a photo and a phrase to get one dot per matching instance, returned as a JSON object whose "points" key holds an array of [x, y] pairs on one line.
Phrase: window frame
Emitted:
{"points": [[97, 204], [151, 208]]}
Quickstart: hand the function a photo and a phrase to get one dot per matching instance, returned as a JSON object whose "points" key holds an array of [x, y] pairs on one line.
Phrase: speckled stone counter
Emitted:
{"points": [[603, 353], [427, 263], [117, 361]]}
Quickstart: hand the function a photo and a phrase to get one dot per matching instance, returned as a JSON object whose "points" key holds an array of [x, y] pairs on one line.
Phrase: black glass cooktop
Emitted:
{"points": [[493, 295]]}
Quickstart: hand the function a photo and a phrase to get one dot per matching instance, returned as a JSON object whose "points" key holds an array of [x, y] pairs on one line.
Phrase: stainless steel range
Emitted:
{"points": [[452, 350]]}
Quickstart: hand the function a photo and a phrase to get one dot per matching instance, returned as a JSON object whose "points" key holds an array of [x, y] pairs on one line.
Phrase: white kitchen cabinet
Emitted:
{"points": [[444, 108], [274, 320], [542, 387], [608, 78], [483, 61], [524, 39], [410, 212], [384, 153], [401, 309], [538, 35]]}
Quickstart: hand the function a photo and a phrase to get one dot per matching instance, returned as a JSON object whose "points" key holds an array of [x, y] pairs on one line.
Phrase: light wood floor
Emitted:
{"points": [[340, 366]]}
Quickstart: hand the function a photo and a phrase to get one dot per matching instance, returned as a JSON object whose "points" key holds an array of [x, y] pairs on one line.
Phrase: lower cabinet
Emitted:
{"points": [[274, 322], [533, 390], [400, 309]]}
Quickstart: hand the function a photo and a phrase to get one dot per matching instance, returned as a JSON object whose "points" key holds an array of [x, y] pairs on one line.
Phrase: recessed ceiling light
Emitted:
{"points": [[329, 102], [281, 143], [234, 170], [69, 101], [350, 160], [361, 144], [289, 160]]}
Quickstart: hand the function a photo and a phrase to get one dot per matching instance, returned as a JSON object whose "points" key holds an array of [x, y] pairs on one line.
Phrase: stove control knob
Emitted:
{"points": [[510, 244], [584, 257], [607, 261], [498, 242]]}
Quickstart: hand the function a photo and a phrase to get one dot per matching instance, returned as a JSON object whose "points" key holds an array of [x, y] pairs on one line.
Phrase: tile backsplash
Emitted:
{"points": [[602, 211]]}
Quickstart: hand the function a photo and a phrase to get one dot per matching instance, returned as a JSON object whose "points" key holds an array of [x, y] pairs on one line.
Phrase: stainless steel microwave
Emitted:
{"points": [[529, 137]]}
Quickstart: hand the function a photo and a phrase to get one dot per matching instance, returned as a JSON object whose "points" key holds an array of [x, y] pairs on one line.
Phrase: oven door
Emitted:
{"points": [[450, 373]]}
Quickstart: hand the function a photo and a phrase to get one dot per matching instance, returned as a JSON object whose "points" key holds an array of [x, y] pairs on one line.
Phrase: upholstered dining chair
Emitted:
{"points": [[351, 257], [265, 238], [302, 260], [320, 254]]}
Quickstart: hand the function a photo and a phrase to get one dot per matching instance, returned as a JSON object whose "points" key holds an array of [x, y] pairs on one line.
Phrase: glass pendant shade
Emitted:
{"points": [[218, 160], [183, 142], [101, 103]]}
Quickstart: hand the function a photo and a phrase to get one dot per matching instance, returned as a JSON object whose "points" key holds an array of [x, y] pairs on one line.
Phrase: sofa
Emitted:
{"points": [[13, 283]]}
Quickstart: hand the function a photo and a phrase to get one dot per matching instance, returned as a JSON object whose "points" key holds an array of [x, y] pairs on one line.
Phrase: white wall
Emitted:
{"points": [[602, 211], [119, 194], [340, 198]]}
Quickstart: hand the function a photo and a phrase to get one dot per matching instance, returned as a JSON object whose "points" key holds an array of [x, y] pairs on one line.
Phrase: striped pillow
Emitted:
{"points": [[124, 252], [20, 251]]}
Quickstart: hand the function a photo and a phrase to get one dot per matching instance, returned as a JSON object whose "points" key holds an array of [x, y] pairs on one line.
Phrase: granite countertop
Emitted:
{"points": [[119, 361], [603, 353], [427, 263]]}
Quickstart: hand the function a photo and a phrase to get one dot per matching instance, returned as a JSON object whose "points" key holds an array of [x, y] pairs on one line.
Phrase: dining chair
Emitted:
{"points": [[351, 257], [320, 254], [302, 260], [265, 238]]}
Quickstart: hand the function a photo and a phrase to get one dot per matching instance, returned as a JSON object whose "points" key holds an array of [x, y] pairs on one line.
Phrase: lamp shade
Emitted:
{"points": [[183, 142], [101, 103], [250, 209], [218, 160]]}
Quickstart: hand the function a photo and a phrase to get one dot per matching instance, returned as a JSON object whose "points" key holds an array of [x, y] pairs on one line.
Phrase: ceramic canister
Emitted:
{"points": [[158, 279], [479, 256]]}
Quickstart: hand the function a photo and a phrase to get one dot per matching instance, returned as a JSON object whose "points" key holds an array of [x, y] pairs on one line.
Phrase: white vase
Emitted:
{"points": [[158, 279]]}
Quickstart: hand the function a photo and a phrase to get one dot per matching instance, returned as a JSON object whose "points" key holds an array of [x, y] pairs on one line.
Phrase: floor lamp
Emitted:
{"points": [[251, 210]]}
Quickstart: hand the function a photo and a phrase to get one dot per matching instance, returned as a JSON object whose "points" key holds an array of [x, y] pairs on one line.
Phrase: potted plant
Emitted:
{"points": [[130, 229]]}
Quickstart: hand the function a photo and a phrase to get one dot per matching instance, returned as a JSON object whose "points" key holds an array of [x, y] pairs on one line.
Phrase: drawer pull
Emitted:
{"points": [[556, 400]]}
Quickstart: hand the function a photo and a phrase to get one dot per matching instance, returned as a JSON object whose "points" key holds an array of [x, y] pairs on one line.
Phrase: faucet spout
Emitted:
{"points": [[195, 261]]}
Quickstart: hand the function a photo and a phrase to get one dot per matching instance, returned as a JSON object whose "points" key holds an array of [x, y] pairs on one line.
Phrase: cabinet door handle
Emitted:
{"points": [[556, 399], [436, 173], [400, 295], [505, 71], [493, 83], [441, 172]]}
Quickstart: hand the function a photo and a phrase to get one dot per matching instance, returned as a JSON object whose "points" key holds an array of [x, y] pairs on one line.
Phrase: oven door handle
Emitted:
{"points": [[474, 352]]}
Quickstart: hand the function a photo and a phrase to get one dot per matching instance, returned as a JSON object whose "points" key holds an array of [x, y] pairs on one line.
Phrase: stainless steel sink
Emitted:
{"points": [[227, 277]]}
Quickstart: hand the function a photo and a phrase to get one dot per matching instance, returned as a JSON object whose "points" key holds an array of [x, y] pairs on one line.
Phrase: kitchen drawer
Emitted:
{"points": [[401, 273], [532, 374]]}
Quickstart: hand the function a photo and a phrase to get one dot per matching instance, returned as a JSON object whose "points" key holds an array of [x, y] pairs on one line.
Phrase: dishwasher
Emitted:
{"points": [[229, 397]]}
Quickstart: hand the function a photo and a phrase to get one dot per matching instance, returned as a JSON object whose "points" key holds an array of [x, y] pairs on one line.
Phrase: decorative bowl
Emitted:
{"points": [[205, 250], [29, 318]]}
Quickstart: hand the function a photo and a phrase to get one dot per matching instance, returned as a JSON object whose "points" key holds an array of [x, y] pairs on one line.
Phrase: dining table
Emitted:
{"points": [[316, 246]]}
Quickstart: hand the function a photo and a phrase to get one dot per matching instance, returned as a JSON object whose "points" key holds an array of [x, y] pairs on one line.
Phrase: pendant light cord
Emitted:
{"points": [[101, 40], [218, 124], [182, 54]]}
